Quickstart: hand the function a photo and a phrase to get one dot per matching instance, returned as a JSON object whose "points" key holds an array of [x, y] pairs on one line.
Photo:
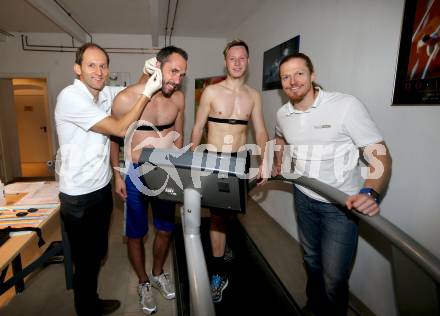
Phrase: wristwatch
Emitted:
{"points": [[372, 193]]}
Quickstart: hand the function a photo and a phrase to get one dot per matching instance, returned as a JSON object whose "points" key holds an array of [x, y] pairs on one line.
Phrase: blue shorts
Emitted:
{"points": [[136, 212]]}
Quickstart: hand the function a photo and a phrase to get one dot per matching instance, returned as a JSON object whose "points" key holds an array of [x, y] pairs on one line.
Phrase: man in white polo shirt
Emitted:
{"points": [[84, 123], [322, 133]]}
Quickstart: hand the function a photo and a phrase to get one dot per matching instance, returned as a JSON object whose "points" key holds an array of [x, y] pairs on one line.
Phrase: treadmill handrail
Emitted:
{"points": [[415, 251]]}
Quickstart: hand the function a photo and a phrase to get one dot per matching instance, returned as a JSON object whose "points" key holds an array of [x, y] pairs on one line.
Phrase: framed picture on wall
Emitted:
{"points": [[418, 69], [272, 59], [200, 84]]}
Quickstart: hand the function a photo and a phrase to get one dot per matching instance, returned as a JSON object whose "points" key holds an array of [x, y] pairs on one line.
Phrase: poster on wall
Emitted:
{"points": [[418, 69], [200, 85], [272, 59]]}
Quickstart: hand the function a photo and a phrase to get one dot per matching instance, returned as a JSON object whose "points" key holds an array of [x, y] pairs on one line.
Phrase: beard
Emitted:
{"points": [[297, 97], [169, 92]]}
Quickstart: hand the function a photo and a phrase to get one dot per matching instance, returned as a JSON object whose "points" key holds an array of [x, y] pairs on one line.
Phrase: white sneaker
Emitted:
{"points": [[146, 300], [164, 285]]}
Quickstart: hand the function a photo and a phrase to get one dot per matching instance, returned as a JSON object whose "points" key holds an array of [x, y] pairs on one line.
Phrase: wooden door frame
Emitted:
{"points": [[48, 109]]}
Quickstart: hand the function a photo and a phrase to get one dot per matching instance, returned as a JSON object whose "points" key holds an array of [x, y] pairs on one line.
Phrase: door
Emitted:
{"points": [[32, 126]]}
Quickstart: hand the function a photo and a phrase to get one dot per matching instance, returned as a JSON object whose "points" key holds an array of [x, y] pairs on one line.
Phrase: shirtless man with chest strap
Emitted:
{"points": [[227, 107], [166, 112]]}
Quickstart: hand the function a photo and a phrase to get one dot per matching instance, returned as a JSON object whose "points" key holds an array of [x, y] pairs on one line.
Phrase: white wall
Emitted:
{"points": [[205, 59], [354, 47]]}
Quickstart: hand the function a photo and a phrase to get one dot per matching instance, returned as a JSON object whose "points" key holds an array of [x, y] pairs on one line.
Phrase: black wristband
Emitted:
{"points": [[372, 193]]}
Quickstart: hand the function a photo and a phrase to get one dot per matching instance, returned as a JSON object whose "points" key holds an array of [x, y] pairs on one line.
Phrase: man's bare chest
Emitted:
{"points": [[160, 112], [237, 105]]}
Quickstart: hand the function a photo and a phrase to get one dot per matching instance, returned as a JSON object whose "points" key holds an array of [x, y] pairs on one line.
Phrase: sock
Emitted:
{"points": [[218, 266], [152, 273]]}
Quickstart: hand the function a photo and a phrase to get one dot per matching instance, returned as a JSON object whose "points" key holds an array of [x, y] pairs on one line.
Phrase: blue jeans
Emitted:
{"points": [[328, 235]]}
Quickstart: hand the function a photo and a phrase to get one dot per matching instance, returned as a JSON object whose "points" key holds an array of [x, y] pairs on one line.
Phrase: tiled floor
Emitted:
{"points": [[46, 294]]}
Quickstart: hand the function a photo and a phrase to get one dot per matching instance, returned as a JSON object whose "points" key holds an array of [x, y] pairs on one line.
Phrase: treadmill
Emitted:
{"points": [[206, 179]]}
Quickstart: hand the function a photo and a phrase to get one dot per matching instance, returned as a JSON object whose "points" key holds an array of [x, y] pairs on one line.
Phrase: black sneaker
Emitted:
{"points": [[109, 306], [306, 311]]}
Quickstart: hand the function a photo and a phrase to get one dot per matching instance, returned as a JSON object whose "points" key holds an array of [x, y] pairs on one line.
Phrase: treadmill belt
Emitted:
{"points": [[253, 287]]}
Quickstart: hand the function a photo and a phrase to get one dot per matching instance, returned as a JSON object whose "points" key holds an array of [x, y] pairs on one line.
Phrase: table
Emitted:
{"points": [[20, 255]]}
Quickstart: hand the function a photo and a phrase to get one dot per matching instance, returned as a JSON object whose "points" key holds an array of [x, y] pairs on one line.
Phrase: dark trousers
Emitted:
{"points": [[329, 235], [87, 219]]}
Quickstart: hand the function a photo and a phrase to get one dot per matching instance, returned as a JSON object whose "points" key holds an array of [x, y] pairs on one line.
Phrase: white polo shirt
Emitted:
{"points": [[323, 141], [83, 159]]}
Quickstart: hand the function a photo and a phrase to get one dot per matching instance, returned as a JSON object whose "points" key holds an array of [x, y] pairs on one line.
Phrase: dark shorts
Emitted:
{"points": [[136, 212]]}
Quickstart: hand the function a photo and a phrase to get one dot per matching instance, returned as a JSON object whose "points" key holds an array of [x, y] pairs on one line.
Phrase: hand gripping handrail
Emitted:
{"points": [[401, 240]]}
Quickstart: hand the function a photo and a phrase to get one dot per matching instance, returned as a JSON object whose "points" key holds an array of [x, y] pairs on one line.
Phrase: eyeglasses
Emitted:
{"points": [[24, 213]]}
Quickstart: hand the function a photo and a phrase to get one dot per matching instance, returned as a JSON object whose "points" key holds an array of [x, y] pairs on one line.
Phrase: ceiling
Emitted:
{"points": [[194, 18]]}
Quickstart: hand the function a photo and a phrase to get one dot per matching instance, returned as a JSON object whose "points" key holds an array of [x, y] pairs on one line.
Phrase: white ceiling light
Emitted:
{"points": [[54, 12], [154, 22]]}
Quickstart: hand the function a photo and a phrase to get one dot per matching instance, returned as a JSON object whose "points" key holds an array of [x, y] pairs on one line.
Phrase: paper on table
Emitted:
{"points": [[46, 194], [23, 187]]}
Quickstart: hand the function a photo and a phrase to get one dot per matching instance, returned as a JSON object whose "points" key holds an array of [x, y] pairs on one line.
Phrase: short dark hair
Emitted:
{"points": [[306, 59], [164, 53], [80, 52], [235, 42]]}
